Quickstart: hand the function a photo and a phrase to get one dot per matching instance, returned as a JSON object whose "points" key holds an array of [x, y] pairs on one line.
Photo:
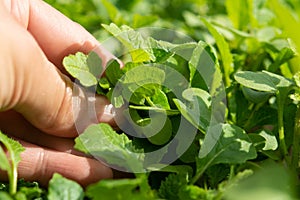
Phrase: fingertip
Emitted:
{"points": [[100, 171], [105, 110]]}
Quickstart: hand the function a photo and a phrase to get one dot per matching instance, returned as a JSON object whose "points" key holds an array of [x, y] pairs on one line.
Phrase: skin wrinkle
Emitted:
{"points": [[41, 164], [19, 10], [25, 104], [60, 116], [11, 93], [26, 165], [5, 93], [25, 131], [17, 93]]}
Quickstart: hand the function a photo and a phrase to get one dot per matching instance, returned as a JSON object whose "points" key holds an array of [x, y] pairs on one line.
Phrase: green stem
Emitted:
{"points": [[150, 102], [231, 174], [202, 169], [199, 173], [197, 176], [296, 141], [12, 176], [280, 105], [254, 164]]}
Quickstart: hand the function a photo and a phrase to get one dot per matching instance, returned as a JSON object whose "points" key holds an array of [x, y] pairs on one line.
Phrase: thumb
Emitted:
{"points": [[33, 86]]}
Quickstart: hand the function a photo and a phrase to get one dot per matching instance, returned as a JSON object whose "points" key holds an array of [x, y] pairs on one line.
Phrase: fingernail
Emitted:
{"points": [[105, 110], [109, 110]]}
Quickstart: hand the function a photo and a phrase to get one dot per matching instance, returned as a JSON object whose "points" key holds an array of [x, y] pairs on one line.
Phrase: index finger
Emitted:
{"points": [[59, 36]]}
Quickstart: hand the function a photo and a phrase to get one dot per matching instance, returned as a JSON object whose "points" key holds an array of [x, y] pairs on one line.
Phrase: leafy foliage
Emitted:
{"points": [[62, 188], [233, 128], [110, 146], [171, 186], [119, 189], [84, 68], [142, 85]]}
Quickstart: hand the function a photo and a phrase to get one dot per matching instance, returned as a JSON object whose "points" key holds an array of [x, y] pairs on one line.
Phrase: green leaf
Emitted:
{"points": [[284, 55], [224, 143], [140, 55], [14, 149], [94, 63], [113, 12], [271, 182], [232, 141], [157, 128], [256, 96], [193, 192], [77, 66], [288, 22], [189, 156], [264, 141], [266, 34], [143, 20], [61, 188], [208, 78], [197, 111], [296, 96], [255, 80], [103, 83], [136, 44], [31, 190], [200, 76], [257, 140], [226, 56], [116, 149], [278, 80], [161, 50], [133, 189], [160, 100], [270, 140], [163, 135], [113, 72], [4, 163], [5, 196], [121, 34], [238, 13], [141, 82], [178, 169], [297, 79], [217, 173], [20, 196], [170, 187]]}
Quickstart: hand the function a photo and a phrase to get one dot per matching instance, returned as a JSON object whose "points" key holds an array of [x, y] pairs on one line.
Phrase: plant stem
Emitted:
{"points": [[150, 102], [12, 176], [280, 105], [197, 176], [199, 173], [296, 141], [231, 174]]}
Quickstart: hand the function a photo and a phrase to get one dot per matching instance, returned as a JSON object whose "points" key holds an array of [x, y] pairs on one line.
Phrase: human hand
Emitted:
{"points": [[36, 95]]}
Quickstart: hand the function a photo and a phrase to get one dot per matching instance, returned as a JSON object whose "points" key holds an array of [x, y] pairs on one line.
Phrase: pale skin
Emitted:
{"points": [[36, 95]]}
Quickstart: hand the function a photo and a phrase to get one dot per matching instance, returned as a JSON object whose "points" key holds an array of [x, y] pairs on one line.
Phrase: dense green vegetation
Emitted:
{"points": [[242, 115]]}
